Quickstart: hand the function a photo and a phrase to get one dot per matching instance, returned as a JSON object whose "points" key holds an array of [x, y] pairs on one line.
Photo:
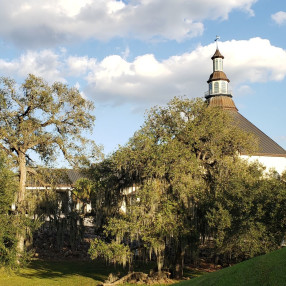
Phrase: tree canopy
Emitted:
{"points": [[38, 118], [185, 164]]}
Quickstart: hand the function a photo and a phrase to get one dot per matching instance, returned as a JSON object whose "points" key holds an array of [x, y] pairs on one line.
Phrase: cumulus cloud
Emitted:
{"points": [[255, 60], [77, 66], [40, 23], [146, 80], [45, 63], [279, 17]]}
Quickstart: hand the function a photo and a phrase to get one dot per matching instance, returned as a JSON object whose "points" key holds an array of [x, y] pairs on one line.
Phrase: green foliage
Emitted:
{"points": [[184, 186], [270, 204], [113, 252], [244, 211], [83, 188], [175, 161], [8, 241], [8, 227], [64, 226], [43, 203], [106, 195], [8, 185], [41, 120]]}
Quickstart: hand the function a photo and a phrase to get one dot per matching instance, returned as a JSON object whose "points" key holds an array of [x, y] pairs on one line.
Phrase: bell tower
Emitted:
{"points": [[218, 93]]}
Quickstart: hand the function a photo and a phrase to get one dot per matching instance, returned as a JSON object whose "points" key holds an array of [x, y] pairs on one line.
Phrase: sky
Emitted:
{"points": [[128, 56]]}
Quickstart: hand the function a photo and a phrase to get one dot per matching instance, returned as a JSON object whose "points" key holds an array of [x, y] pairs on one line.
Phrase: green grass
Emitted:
{"points": [[265, 270], [70, 273], [45, 273]]}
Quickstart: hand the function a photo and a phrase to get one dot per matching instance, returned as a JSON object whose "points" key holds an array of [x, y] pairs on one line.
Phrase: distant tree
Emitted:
{"points": [[172, 159], [42, 119]]}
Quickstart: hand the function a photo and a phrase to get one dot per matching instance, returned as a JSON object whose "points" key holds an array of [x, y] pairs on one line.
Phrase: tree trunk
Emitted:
{"points": [[20, 244], [21, 200], [179, 265], [160, 259], [22, 180]]}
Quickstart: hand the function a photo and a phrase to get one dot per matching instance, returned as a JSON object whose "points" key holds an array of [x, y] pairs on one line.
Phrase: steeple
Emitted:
{"points": [[218, 93]]}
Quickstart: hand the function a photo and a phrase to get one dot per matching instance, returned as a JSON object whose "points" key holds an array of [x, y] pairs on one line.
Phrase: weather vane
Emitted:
{"points": [[216, 40]]}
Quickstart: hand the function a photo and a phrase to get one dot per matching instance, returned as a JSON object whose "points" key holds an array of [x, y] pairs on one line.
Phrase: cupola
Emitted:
{"points": [[218, 93]]}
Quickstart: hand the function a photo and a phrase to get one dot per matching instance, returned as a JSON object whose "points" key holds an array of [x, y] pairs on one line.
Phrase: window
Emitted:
{"points": [[223, 87], [216, 87], [218, 64]]}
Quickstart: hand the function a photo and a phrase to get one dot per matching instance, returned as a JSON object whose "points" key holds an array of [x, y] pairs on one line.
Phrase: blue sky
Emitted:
{"points": [[128, 56]]}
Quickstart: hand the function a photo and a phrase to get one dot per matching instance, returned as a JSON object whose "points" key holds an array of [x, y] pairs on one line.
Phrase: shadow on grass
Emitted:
{"points": [[40, 269], [193, 273], [97, 270]]}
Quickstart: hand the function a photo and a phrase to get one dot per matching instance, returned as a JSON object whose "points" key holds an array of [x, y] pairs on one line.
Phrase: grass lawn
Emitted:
{"points": [[265, 270], [68, 273]]}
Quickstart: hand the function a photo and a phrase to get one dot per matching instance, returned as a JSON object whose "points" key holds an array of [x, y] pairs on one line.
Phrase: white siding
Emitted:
{"points": [[278, 163]]}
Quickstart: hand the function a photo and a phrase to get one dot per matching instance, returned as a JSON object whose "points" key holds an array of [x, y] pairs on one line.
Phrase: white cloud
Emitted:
{"points": [[255, 60], [148, 66], [126, 53], [243, 89], [69, 8], [38, 23], [148, 81], [76, 66], [44, 63], [279, 17]]}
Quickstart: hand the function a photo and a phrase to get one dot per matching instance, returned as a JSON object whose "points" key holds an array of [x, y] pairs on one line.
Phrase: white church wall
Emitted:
{"points": [[278, 163]]}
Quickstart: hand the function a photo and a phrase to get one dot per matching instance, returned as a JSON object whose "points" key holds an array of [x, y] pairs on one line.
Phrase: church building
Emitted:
{"points": [[269, 153]]}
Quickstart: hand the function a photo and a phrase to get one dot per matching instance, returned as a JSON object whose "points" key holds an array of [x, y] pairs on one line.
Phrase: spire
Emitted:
{"points": [[218, 93], [217, 54], [216, 40]]}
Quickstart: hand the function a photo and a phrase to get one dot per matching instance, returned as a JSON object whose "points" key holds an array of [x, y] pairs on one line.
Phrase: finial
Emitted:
{"points": [[216, 40]]}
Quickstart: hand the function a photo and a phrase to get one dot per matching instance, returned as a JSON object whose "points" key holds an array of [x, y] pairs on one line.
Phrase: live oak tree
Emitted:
{"points": [[171, 160], [42, 119], [192, 189]]}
